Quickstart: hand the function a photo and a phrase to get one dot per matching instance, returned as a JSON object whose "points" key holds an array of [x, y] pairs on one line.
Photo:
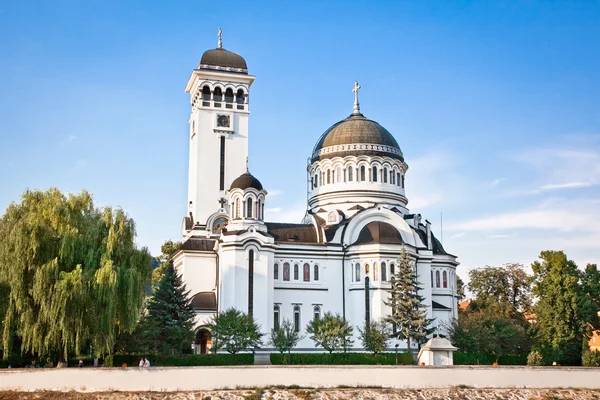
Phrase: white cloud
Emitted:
{"points": [[567, 185], [495, 182], [459, 235], [71, 137], [503, 235], [273, 210]]}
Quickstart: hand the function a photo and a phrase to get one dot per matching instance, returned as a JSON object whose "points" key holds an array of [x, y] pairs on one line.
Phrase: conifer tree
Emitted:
{"points": [[170, 320], [408, 313]]}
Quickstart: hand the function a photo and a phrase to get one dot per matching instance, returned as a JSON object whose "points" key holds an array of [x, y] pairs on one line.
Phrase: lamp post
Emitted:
{"points": [[397, 353]]}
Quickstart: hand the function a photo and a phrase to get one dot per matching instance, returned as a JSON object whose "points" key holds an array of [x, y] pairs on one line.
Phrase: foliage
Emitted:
{"points": [[590, 296], [408, 311], [75, 275], [559, 328], [342, 359], [479, 332], [375, 337], [504, 290], [234, 331], [170, 321], [461, 358], [331, 332], [284, 338], [590, 358], [168, 249], [460, 289], [535, 359], [185, 360]]}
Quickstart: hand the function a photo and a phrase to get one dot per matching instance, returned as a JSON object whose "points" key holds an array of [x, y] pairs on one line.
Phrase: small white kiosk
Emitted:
{"points": [[437, 351]]}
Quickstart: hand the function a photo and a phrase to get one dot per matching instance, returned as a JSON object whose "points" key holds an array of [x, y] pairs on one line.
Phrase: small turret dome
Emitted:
{"points": [[246, 181], [223, 60]]}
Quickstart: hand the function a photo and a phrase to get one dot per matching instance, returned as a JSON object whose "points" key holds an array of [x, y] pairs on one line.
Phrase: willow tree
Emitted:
{"points": [[74, 273]]}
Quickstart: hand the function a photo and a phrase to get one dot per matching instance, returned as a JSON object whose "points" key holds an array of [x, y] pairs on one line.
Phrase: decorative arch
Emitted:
{"points": [[380, 214]]}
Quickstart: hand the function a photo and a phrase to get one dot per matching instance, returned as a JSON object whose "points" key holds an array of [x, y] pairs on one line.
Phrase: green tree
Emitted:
{"points": [[170, 321], [590, 301], [330, 332], [460, 289], [375, 336], [285, 338], [408, 313], [481, 332], [168, 249], [504, 290], [75, 275], [559, 328], [234, 331]]}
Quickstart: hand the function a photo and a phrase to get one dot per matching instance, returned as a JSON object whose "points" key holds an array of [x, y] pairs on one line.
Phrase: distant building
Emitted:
{"points": [[356, 224]]}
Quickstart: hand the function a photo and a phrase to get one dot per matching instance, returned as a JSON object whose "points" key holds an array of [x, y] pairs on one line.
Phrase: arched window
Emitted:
{"points": [[276, 271], [366, 269], [240, 97], [392, 178], [276, 316], [445, 275], [431, 278], [237, 208], [437, 278], [296, 318], [392, 272], [249, 207], [206, 93], [363, 173], [383, 272], [286, 271], [402, 181], [357, 272], [218, 94], [316, 272], [250, 282], [296, 272], [349, 174], [375, 272], [398, 178], [384, 175], [328, 176], [228, 95], [316, 181], [306, 273], [258, 209], [374, 174], [317, 312]]}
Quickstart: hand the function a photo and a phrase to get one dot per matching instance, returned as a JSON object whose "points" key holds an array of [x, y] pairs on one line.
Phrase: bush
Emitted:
{"points": [[535, 359], [109, 361], [487, 359], [590, 358], [342, 359], [186, 360]]}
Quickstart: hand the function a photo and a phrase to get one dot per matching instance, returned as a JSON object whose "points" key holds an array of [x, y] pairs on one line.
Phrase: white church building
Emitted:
{"points": [[356, 224]]}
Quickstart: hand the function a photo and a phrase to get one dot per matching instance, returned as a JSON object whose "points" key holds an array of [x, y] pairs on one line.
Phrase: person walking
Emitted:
{"points": [[142, 364], [146, 363]]}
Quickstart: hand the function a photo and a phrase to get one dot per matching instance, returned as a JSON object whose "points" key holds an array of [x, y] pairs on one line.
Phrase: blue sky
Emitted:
{"points": [[496, 106]]}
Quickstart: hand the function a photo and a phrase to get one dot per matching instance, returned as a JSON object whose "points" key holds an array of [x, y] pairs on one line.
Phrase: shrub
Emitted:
{"points": [[186, 360], [109, 361], [342, 359], [535, 358], [590, 358], [487, 359]]}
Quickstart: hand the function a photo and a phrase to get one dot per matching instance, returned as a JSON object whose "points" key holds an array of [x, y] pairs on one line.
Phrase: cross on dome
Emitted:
{"points": [[220, 44], [356, 105]]}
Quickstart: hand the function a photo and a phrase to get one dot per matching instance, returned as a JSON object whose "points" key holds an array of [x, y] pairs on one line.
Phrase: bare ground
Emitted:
{"points": [[321, 394]]}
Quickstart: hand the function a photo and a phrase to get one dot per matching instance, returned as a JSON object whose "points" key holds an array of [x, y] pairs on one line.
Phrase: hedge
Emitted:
{"points": [[186, 360], [488, 359], [342, 359]]}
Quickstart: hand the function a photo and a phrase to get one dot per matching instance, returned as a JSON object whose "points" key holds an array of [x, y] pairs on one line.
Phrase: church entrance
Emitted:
{"points": [[203, 341]]}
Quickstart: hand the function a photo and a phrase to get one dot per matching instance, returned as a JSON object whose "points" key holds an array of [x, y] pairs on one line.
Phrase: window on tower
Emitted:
{"points": [[398, 178], [363, 173], [297, 318], [240, 97], [206, 96], [357, 273], [383, 272], [249, 207], [228, 95], [306, 272], [286, 271], [316, 273], [384, 175], [328, 176], [374, 174], [276, 316], [218, 96], [402, 181], [349, 174], [276, 271], [296, 272]]}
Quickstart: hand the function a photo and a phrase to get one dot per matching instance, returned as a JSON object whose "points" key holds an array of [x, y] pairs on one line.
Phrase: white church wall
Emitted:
{"points": [[198, 271]]}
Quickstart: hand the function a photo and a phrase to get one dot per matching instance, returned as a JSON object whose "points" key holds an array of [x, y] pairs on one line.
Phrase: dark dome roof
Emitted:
{"points": [[379, 232], [356, 135], [245, 181], [206, 301], [223, 60]]}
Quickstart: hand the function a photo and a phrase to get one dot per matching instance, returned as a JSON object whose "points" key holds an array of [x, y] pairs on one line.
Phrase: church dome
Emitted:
{"points": [[379, 232], [223, 60], [246, 181], [356, 135]]}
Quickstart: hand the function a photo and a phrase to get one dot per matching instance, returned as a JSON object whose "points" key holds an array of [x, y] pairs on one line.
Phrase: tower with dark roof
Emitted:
{"points": [[219, 90]]}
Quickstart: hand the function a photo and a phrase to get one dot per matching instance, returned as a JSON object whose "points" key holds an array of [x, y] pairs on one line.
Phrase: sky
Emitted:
{"points": [[495, 105]]}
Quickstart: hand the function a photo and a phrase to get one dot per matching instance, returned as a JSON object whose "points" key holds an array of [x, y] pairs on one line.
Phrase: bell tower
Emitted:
{"points": [[219, 91]]}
